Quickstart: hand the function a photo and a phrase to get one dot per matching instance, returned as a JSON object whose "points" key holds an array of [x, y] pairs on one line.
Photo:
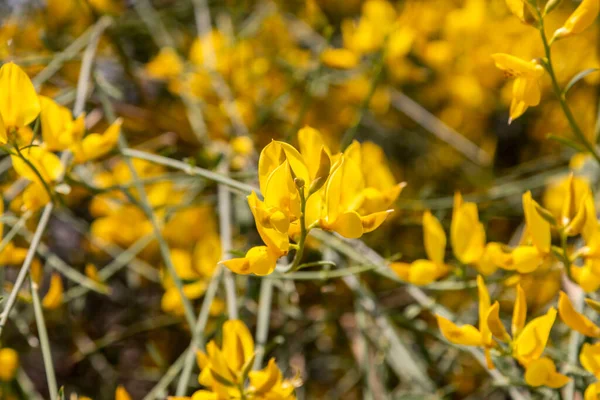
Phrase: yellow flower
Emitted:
{"points": [[96, 145], [59, 130], [423, 272], [468, 335], [581, 19], [339, 58], [574, 319], [592, 392], [542, 372], [528, 340], [54, 297], [224, 370], [466, 232], [19, 103], [590, 358], [166, 65], [526, 88], [9, 363]]}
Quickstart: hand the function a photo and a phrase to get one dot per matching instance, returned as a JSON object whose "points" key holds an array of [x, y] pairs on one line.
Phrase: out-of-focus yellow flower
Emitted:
{"points": [[592, 392], [121, 393], [573, 214], [59, 130], [590, 358], [468, 335], [574, 319], [581, 19], [517, 7], [526, 88], [54, 298], [339, 58], [166, 65], [423, 272], [466, 231], [96, 145], [528, 340], [9, 363], [224, 370], [542, 372], [19, 103], [377, 20]]}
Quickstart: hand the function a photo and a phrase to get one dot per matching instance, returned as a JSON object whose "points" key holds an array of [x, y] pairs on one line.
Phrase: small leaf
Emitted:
{"points": [[547, 215], [248, 367], [61, 393], [551, 5], [567, 142], [579, 77], [221, 379]]}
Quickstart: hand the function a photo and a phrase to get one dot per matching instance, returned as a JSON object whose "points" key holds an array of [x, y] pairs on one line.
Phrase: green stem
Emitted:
{"points": [[560, 94]]}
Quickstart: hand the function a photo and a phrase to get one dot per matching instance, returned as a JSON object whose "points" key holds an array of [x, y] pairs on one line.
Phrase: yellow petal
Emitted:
{"points": [[272, 237], [349, 225], [424, 272], [47, 164], [311, 143], [466, 232], [517, 7], [259, 260], [434, 238], [9, 363], [373, 221], [592, 392], [582, 18], [19, 103], [96, 145], [466, 335], [264, 380], [339, 58], [56, 122], [537, 226], [519, 312], [122, 394], [526, 259], [542, 372], [575, 320], [590, 358], [54, 297], [238, 345], [530, 343], [495, 323], [516, 66]]}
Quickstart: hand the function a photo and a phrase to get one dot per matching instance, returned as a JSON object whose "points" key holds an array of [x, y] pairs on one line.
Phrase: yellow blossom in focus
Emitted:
{"points": [[19, 103], [526, 88], [542, 372]]}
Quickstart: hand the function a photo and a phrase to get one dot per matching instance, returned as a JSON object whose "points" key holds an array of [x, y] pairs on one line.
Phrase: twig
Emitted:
{"points": [[147, 209], [44, 342], [427, 120], [262, 321]]}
